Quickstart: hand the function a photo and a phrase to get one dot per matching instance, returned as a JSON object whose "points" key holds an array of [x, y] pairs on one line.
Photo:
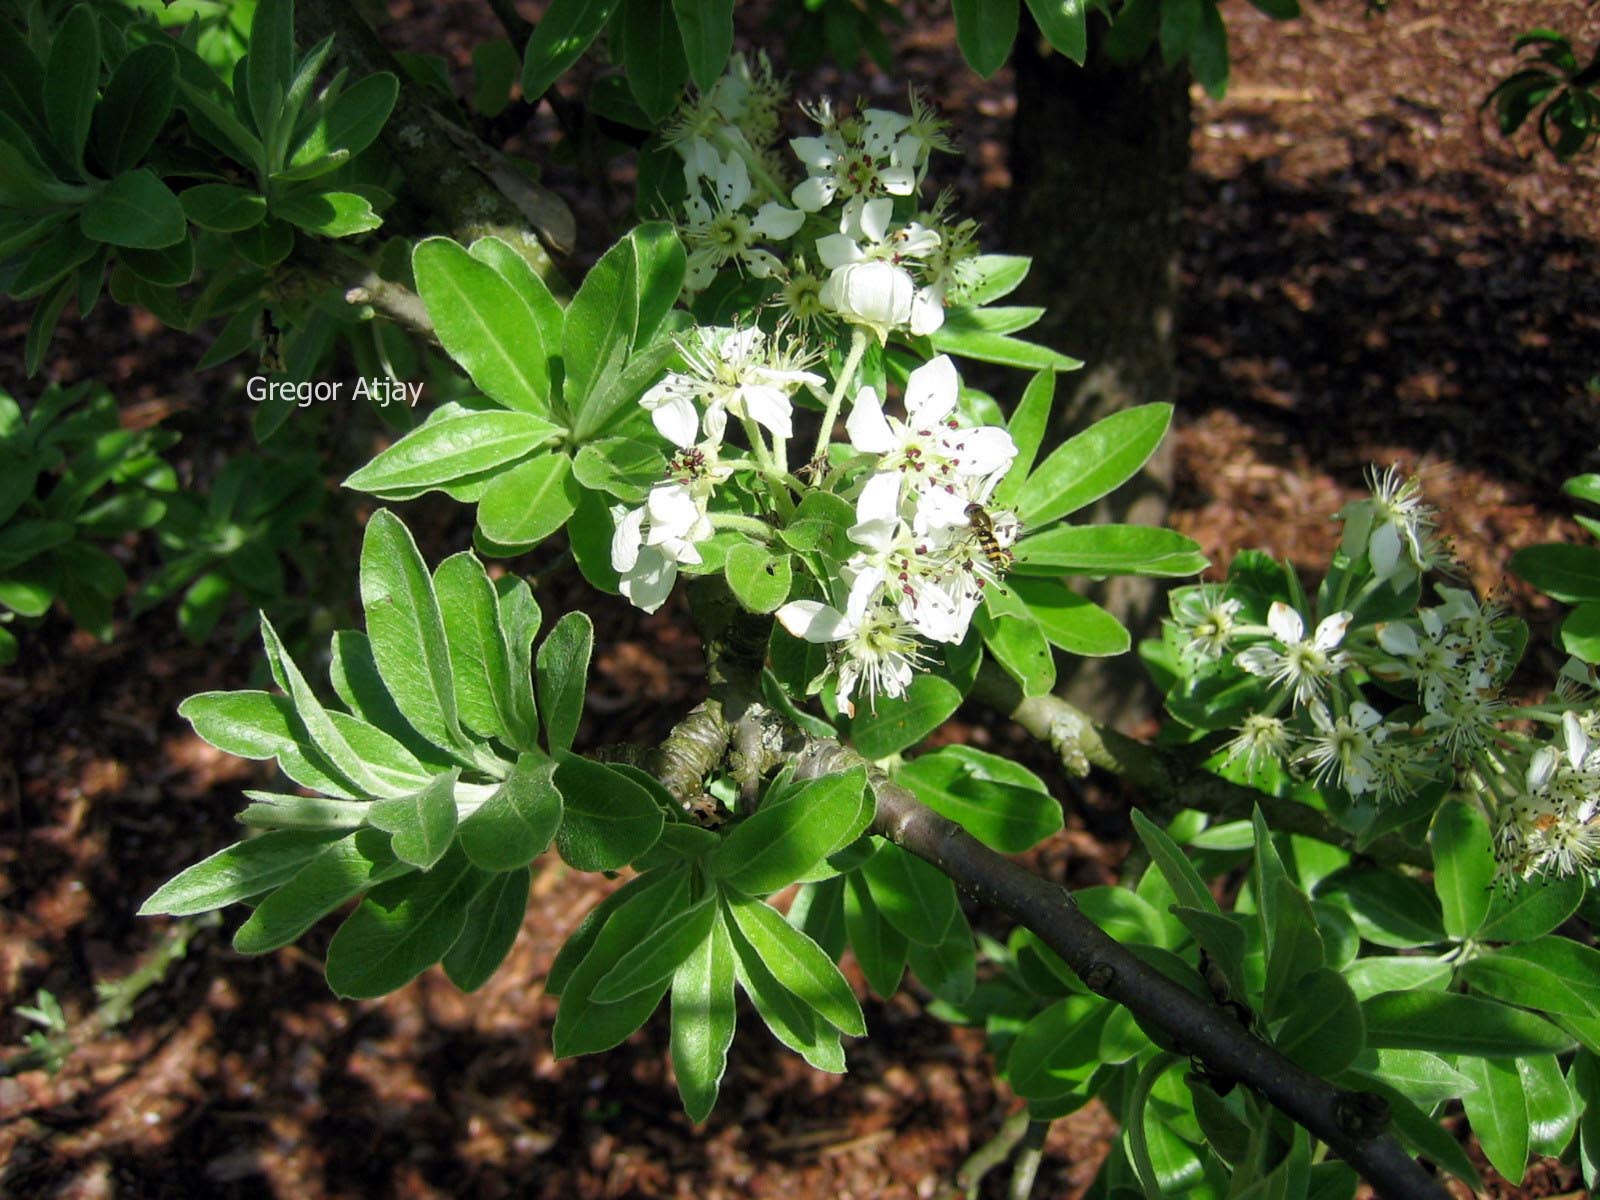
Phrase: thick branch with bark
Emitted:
{"points": [[1172, 774]]}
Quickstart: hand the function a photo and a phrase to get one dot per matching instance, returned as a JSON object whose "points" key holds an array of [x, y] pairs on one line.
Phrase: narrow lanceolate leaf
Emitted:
{"points": [[71, 79], [403, 928], [563, 33], [703, 1020], [1175, 868], [652, 54], [985, 30], [915, 897], [242, 870], [493, 922], [136, 210], [519, 622], [1463, 866], [259, 725], [479, 658], [1003, 805], [442, 452], [422, 822], [340, 872], [527, 503], [782, 841], [137, 102], [1109, 550], [798, 963], [407, 630], [482, 323], [1323, 1031], [270, 66], [1093, 463], [1027, 428], [563, 672], [651, 961], [515, 824], [1498, 1110], [1450, 1023], [318, 723], [707, 30], [879, 947], [585, 1026], [791, 1020]]}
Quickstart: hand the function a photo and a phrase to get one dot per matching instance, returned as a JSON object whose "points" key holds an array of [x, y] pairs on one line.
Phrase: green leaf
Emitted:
{"points": [[484, 324], [1176, 869], [479, 657], [355, 120], [1422, 1133], [1426, 1078], [562, 35], [222, 207], [422, 823], [915, 897], [789, 1018], [519, 622], [1027, 427], [270, 63], [651, 50], [1450, 1023], [1570, 574], [257, 725], [407, 631], [528, 503], [1530, 910], [985, 30], [982, 346], [653, 961], [343, 870], [1065, 25], [1180, 21], [1295, 951], [1093, 463], [1208, 55], [548, 314], [243, 870], [518, 821], [563, 677], [703, 1020], [582, 939], [1553, 974], [607, 819], [1580, 632], [1109, 550], [135, 210], [495, 67], [328, 214], [584, 1026], [1056, 1052], [1389, 909], [1498, 1110], [759, 580], [1396, 973], [1463, 866], [798, 964], [706, 27], [950, 969], [622, 467], [1553, 1108], [402, 928], [879, 947], [781, 842], [136, 105], [1323, 1031], [1017, 643], [493, 921], [266, 244], [894, 725], [1004, 805], [71, 80]]}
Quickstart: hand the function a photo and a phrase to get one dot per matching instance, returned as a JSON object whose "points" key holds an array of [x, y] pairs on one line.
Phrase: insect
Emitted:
{"points": [[271, 338], [983, 532]]}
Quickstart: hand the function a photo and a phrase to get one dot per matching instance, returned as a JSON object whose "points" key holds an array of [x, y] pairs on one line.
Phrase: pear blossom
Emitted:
{"points": [[1304, 664], [930, 448], [729, 370], [865, 236], [719, 231], [880, 158], [872, 646], [1347, 749], [1208, 621], [876, 295], [1260, 739]]}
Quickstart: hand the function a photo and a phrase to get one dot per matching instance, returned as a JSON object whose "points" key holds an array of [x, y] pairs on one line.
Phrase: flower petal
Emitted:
{"points": [[813, 621], [931, 391], [867, 426], [1286, 624]]}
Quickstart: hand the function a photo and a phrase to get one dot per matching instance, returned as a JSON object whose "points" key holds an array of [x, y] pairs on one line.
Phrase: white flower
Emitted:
{"points": [[930, 449], [730, 370], [881, 158], [1207, 620], [1260, 739], [865, 236], [935, 595], [1304, 664], [719, 231], [1348, 749], [877, 295], [1393, 528], [649, 542], [872, 646]]}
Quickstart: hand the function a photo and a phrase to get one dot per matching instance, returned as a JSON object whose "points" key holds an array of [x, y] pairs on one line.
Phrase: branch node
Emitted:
{"points": [[1362, 1114], [1099, 976]]}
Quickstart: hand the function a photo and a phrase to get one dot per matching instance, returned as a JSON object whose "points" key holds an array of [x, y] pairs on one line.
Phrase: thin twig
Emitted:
{"points": [[1025, 1167]]}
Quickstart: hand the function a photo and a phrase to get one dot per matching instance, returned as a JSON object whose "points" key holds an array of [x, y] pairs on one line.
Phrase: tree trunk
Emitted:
{"points": [[1098, 159]]}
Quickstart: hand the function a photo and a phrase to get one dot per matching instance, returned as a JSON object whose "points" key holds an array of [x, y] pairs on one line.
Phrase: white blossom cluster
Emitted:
{"points": [[918, 570], [1445, 670], [845, 241], [828, 226]]}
